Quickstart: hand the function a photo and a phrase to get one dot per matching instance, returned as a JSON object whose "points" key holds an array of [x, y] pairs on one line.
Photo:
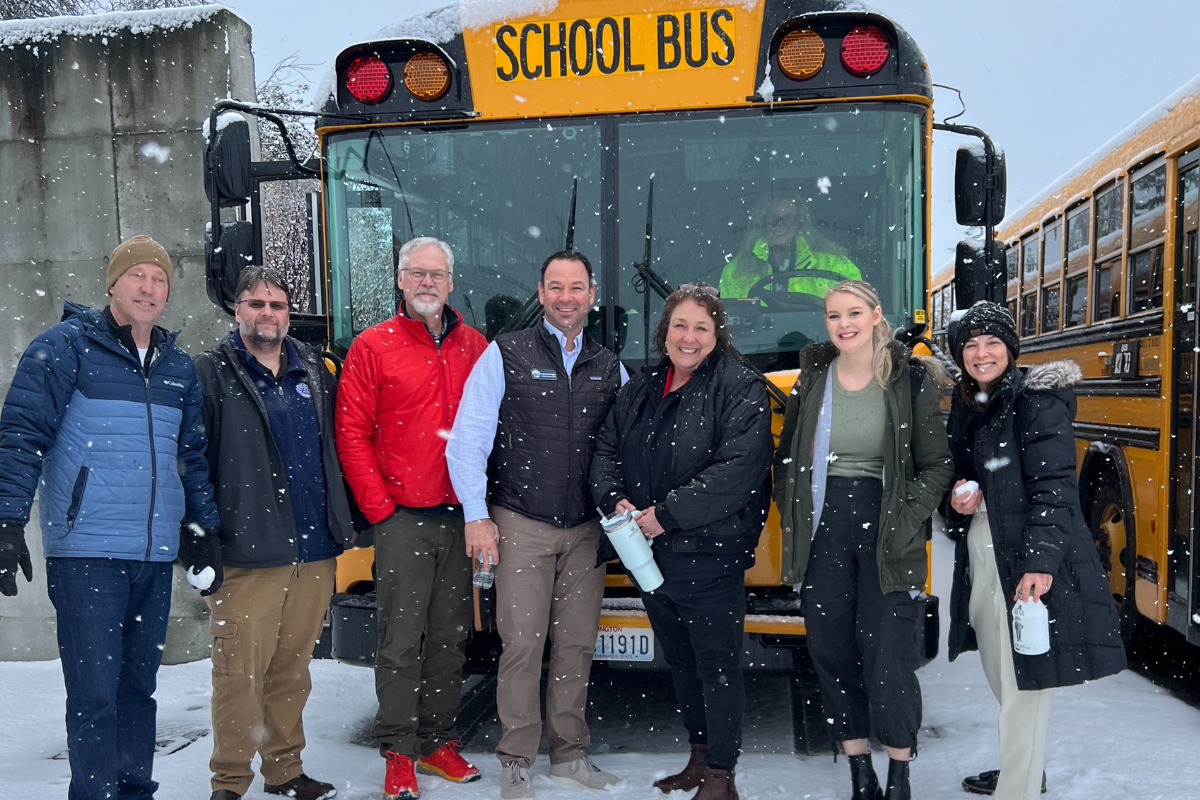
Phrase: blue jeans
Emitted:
{"points": [[112, 623]]}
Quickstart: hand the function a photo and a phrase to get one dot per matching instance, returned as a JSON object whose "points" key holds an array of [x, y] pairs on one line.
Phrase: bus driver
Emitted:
{"points": [[803, 263]]}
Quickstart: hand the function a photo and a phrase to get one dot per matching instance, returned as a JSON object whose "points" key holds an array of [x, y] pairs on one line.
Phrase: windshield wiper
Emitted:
{"points": [[527, 314]]}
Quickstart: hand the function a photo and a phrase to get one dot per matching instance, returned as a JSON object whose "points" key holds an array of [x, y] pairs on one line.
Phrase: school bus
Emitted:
{"points": [[656, 137], [1101, 267]]}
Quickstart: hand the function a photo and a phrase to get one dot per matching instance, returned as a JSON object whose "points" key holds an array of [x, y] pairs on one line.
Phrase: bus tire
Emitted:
{"points": [[1115, 545]]}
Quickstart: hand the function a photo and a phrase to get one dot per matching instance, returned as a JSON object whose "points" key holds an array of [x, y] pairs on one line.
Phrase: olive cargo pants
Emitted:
{"points": [[264, 625], [547, 584], [423, 595]]}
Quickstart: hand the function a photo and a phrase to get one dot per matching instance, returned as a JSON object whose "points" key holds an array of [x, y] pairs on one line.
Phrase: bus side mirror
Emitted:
{"points": [[227, 161], [979, 197], [979, 273], [224, 261]]}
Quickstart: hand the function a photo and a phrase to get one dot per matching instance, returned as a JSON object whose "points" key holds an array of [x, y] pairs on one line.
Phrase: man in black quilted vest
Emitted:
{"points": [[519, 456]]}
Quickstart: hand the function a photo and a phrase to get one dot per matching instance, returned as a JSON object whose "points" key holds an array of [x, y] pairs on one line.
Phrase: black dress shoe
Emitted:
{"points": [[225, 794], [302, 787], [985, 782]]}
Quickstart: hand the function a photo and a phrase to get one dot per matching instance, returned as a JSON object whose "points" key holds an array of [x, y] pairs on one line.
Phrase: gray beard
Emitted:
{"points": [[259, 340], [425, 306]]}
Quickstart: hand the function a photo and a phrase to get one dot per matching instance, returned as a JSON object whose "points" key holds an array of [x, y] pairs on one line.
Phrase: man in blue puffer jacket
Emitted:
{"points": [[104, 409]]}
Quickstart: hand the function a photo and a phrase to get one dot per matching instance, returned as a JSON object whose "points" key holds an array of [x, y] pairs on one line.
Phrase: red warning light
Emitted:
{"points": [[864, 51], [368, 79]]}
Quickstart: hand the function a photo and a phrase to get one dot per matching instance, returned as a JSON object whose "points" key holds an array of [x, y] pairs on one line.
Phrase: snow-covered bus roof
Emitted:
{"points": [[1013, 220], [29, 32]]}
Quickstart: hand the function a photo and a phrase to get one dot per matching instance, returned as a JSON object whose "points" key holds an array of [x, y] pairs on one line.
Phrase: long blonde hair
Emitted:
{"points": [[881, 359]]}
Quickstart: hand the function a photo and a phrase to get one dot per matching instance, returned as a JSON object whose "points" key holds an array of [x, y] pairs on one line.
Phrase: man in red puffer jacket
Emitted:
{"points": [[399, 391]]}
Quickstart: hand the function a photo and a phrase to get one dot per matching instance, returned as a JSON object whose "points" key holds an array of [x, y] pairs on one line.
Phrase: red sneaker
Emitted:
{"points": [[400, 782], [446, 762]]}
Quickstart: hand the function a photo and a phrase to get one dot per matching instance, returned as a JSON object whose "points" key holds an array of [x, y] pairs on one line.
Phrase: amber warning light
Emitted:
{"points": [[426, 76], [864, 51], [801, 54], [368, 79]]}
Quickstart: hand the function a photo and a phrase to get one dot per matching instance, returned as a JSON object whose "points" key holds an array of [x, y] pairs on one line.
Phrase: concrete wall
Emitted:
{"points": [[100, 140]]}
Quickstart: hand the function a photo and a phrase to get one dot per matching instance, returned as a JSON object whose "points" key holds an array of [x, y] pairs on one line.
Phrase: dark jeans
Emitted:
{"points": [[699, 625], [112, 623], [423, 596], [862, 641]]}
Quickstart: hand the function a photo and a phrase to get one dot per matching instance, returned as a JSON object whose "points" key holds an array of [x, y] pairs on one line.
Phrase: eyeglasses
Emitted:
{"points": [[258, 305], [696, 288], [781, 219], [438, 276]]}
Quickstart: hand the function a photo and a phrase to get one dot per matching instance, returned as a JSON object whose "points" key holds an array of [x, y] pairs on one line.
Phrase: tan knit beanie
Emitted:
{"points": [[138, 250]]}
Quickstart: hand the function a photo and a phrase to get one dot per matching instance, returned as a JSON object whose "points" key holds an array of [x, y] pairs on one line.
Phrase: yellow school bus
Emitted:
{"points": [[657, 137], [1101, 267]]}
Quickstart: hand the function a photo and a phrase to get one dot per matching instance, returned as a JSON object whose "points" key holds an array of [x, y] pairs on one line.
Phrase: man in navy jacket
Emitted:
{"points": [[104, 409]]}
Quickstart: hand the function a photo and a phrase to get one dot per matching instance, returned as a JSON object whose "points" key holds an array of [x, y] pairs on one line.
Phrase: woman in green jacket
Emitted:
{"points": [[861, 465]]}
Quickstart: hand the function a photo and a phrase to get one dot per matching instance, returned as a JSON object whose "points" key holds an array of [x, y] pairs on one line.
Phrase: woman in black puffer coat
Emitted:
{"points": [[689, 445], [1021, 534]]}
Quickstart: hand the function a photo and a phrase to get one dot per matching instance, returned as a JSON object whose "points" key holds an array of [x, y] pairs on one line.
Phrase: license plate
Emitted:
{"points": [[624, 644]]}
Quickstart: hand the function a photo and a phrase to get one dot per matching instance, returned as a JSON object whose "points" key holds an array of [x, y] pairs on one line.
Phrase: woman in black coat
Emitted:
{"points": [[689, 445], [1021, 535]]}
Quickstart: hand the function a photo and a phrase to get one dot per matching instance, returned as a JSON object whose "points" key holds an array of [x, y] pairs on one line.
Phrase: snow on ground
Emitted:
{"points": [[1118, 738]]}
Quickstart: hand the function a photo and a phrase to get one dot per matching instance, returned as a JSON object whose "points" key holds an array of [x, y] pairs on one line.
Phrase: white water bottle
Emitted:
{"points": [[631, 545], [1030, 628]]}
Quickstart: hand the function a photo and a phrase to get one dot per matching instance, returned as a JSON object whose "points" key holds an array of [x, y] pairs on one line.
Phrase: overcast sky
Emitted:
{"points": [[1050, 80]]}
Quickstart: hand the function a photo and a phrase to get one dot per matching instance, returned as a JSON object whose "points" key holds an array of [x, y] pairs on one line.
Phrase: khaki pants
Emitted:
{"points": [[423, 595], [1024, 715], [547, 584], [264, 625]]}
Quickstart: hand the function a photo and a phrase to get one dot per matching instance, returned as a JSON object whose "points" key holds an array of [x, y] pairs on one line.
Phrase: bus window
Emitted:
{"points": [[1029, 314], [1078, 230], [1148, 196], [1029, 261], [1076, 301], [1109, 214], [1029, 276], [1011, 256], [1052, 257], [500, 197], [1146, 280], [774, 209], [1188, 258], [1107, 298]]}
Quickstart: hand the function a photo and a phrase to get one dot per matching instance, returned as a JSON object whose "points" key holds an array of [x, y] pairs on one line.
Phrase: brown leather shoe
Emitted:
{"points": [[717, 784], [689, 777], [302, 787]]}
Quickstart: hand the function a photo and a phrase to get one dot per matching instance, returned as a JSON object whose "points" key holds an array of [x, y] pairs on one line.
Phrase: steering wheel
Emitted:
{"points": [[784, 301]]}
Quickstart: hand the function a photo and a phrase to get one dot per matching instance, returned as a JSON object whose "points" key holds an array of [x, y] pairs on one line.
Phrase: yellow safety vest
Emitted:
{"points": [[815, 273]]}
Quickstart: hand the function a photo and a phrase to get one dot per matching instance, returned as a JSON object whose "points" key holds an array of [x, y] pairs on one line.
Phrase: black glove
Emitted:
{"points": [[13, 553], [199, 549]]}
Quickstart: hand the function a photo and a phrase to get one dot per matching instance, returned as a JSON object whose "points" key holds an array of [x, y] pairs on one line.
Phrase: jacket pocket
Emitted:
{"points": [[227, 658], [77, 496]]}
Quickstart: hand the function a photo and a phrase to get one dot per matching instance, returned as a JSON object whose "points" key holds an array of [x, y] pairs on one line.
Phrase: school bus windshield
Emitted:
{"points": [[772, 207]]}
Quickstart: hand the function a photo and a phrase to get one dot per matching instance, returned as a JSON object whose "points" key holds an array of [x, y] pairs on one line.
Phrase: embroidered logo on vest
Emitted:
{"points": [[544, 374]]}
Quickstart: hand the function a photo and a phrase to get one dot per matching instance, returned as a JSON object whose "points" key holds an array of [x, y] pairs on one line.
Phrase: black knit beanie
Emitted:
{"points": [[986, 318]]}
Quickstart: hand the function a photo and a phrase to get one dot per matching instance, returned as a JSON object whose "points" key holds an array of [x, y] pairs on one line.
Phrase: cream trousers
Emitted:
{"points": [[1024, 715]]}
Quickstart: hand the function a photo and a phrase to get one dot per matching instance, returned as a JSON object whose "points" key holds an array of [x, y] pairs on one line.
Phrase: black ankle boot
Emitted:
{"points": [[897, 781], [865, 786]]}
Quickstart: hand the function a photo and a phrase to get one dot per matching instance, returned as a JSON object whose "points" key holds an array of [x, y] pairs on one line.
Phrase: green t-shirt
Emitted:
{"points": [[857, 434]]}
